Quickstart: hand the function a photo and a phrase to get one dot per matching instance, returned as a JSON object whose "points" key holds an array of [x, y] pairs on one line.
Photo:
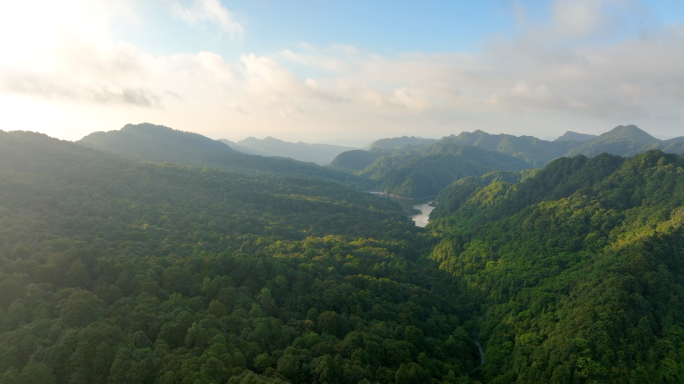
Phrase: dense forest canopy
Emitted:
{"points": [[115, 271], [578, 271]]}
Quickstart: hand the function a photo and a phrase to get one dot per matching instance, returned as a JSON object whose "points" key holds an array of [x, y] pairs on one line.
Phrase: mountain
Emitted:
{"points": [[531, 150], [622, 141], [401, 142], [535, 152], [119, 271], [455, 194], [574, 136], [321, 154], [357, 160], [162, 144], [155, 141], [423, 171], [579, 269], [429, 172], [237, 147]]}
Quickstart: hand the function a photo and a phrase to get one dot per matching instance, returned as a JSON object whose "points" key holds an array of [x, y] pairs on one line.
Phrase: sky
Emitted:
{"points": [[344, 72]]}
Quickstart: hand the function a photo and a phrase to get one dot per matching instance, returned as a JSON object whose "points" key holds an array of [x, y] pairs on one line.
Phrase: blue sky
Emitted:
{"points": [[318, 70]]}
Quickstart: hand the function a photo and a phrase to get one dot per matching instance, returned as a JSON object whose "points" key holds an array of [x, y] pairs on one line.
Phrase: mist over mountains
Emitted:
{"points": [[321, 154]]}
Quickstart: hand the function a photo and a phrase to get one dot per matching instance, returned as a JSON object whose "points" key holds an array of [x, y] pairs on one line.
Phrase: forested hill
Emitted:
{"points": [[414, 174], [357, 160], [578, 270], [626, 141], [621, 141], [535, 152], [116, 271], [401, 142], [161, 144], [424, 171]]}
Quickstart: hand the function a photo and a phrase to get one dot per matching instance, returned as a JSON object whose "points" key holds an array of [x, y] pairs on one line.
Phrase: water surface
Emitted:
{"points": [[421, 219]]}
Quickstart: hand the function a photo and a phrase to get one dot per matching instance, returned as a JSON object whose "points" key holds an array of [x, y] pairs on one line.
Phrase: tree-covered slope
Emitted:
{"points": [[578, 270], [445, 163], [160, 144], [115, 271], [401, 142], [450, 198], [535, 152], [426, 170], [356, 160]]}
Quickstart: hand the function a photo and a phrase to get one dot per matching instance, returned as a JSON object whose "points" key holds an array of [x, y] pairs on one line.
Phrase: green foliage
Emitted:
{"points": [[160, 144], [578, 270], [356, 160], [113, 271], [425, 171]]}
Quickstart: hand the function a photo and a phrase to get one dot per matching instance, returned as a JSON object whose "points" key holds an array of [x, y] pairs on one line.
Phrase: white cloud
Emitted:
{"points": [[547, 72], [209, 11], [578, 18]]}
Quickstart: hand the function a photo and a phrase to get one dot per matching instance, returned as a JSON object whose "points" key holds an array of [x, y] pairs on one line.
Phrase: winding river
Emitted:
{"points": [[422, 218]]}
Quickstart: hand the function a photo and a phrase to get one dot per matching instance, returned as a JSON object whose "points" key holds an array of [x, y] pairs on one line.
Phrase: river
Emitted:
{"points": [[422, 218]]}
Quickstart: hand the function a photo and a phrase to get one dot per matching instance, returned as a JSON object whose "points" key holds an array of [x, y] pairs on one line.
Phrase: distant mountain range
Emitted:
{"points": [[405, 167], [321, 154], [156, 143], [626, 141]]}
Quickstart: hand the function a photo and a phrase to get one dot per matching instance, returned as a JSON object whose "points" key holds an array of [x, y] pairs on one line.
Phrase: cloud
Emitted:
{"points": [[211, 11], [266, 79], [49, 87], [560, 70], [578, 18]]}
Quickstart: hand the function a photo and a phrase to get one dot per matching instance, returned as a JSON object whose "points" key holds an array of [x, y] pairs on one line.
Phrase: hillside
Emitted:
{"points": [[116, 271], [624, 141], [410, 175], [574, 136], [160, 144], [535, 152], [321, 154], [401, 142], [578, 270], [357, 160]]}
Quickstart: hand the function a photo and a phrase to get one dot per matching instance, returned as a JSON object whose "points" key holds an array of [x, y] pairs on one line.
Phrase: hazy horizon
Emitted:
{"points": [[347, 142]]}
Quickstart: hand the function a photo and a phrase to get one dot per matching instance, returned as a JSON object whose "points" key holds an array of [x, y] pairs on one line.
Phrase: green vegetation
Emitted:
{"points": [[357, 160], [416, 170], [624, 141], [160, 144], [578, 271], [119, 271], [114, 271], [424, 172], [401, 142]]}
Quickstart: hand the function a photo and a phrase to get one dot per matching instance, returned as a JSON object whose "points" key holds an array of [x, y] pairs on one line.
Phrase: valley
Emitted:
{"points": [[158, 256]]}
